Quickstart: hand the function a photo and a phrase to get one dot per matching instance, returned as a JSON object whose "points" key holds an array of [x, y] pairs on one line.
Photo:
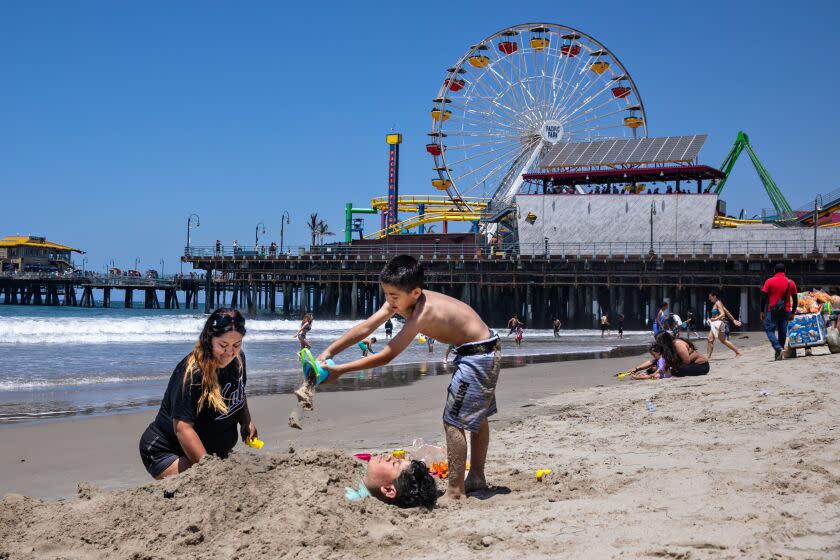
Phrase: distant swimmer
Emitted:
{"points": [[366, 345], [305, 327], [513, 324]]}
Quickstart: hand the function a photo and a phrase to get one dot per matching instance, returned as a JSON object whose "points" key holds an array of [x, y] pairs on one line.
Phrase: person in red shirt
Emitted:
{"points": [[778, 306]]}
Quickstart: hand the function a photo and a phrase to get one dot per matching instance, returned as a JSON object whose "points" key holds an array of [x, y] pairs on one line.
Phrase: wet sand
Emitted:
{"points": [[742, 463]]}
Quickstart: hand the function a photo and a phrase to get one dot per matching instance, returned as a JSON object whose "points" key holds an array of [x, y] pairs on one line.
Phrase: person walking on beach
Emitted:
{"points": [[235, 247], [471, 395], [619, 325], [430, 344], [519, 332], [661, 317], [203, 403], [718, 326], [557, 325], [779, 301], [605, 324], [389, 329], [305, 327], [512, 324]]}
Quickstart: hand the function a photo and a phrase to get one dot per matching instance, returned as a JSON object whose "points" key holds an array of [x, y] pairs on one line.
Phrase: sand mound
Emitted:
{"points": [[248, 506]]}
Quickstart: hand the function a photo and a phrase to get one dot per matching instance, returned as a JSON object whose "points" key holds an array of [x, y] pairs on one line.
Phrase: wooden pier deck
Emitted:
{"points": [[342, 280]]}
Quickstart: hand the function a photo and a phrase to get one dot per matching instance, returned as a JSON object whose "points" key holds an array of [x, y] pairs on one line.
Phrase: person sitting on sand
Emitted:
{"points": [[305, 327], [655, 368], [203, 403], [366, 345], [471, 397], [401, 482], [681, 356]]}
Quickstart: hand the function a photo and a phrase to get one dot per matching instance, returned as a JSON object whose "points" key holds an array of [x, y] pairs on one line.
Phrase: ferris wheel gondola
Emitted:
{"points": [[518, 92]]}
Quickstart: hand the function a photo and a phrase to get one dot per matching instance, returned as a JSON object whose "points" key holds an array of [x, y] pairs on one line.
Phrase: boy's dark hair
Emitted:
{"points": [[714, 293], [415, 487], [404, 272], [372, 339], [780, 267]]}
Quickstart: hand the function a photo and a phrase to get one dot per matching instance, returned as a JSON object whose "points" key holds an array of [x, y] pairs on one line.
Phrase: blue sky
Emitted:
{"points": [[119, 119]]}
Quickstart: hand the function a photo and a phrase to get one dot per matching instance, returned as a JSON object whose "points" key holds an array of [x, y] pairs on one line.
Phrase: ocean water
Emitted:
{"points": [[57, 361]]}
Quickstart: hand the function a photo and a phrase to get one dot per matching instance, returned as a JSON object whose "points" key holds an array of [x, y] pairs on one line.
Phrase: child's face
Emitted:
{"points": [[382, 472], [655, 354], [401, 301]]}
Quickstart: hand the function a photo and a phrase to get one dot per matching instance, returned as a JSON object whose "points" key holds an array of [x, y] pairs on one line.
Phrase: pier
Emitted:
{"points": [[575, 282], [61, 290]]}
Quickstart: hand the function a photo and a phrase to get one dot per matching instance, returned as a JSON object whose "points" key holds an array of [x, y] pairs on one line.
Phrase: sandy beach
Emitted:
{"points": [[742, 463]]}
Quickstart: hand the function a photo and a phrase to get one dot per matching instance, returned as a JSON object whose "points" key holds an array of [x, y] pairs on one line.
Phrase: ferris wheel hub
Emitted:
{"points": [[551, 131]]}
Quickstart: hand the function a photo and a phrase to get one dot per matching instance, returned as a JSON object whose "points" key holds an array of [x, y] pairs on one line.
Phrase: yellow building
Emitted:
{"points": [[30, 253]]}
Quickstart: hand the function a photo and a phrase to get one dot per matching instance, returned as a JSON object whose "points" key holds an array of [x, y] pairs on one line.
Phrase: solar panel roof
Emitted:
{"points": [[671, 149]]}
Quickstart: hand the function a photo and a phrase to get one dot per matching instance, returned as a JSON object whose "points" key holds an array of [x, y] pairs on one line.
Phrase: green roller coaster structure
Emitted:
{"points": [[780, 203]]}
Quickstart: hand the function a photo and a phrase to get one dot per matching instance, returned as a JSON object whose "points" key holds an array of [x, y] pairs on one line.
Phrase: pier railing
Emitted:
{"points": [[98, 280], [609, 249]]}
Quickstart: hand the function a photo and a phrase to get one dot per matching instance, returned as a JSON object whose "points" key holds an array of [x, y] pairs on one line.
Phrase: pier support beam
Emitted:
{"points": [[208, 291]]}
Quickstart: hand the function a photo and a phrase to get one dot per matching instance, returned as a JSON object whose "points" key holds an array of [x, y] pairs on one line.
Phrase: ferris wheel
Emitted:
{"points": [[515, 94]]}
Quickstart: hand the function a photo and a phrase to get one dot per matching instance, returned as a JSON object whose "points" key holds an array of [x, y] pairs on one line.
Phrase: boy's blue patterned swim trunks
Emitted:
{"points": [[471, 396]]}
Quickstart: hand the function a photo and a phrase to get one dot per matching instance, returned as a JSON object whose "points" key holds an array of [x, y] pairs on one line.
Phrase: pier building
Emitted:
{"points": [[32, 253]]}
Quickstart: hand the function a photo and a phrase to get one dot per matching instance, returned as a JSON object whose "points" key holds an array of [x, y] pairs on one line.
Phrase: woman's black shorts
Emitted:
{"points": [[155, 452], [689, 370]]}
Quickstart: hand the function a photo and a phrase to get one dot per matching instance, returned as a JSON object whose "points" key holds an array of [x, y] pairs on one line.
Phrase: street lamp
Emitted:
{"points": [[257, 235], [817, 204], [284, 219], [110, 266], [161, 268], [137, 264], [84, 261], [652, 214], [189, 227]]}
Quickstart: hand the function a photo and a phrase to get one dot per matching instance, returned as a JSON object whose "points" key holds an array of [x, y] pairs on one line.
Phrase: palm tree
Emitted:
{"points": [[323, 229], [312, 224]]}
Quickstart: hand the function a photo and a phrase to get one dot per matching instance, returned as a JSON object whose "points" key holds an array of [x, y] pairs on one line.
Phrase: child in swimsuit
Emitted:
{"points": [[655, 368], [366, 346]]}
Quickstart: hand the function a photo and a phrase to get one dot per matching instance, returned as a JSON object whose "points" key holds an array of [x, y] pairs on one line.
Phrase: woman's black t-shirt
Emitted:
{"points": [[217, 431]]}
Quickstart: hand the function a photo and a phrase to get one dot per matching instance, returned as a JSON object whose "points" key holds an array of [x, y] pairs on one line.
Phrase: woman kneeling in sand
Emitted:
{"points": [[204, 401]]}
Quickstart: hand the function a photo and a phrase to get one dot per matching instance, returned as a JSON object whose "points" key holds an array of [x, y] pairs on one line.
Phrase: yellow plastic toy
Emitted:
{"points": [[256, 443], [421, 339], [542, 473], [398, 453]]}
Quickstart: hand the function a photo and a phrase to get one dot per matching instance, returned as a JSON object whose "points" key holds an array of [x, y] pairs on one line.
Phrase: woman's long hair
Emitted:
{"points": [[669, 349], [221, 321]]}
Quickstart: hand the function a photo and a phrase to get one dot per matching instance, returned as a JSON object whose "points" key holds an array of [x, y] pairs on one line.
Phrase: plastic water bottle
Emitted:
{"points": [[650, 406]]}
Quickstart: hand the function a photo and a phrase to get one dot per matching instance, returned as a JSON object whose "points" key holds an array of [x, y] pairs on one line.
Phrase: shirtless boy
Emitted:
{"points": [[471, 395]]}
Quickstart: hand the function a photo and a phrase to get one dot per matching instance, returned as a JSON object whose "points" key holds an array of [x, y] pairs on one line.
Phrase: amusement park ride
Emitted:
{"points": [[549, 108]]}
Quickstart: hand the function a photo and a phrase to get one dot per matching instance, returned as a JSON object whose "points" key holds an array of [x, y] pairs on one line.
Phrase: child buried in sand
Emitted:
{"points": [[401, 482], [471, 395]]}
